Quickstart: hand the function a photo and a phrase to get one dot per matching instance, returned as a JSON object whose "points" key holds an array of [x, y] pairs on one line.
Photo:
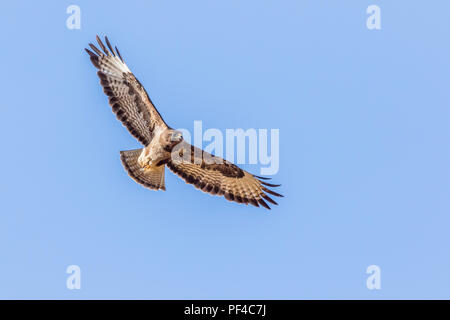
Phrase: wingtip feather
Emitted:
{"points": [[263, 203], [109, 46]]}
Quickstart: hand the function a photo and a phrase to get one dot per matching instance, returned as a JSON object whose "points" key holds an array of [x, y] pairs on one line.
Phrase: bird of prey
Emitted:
{"points": [[164, 146]]}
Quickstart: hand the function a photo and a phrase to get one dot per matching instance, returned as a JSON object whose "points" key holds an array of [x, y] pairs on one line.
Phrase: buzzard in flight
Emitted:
{"points": [[164, 146]]}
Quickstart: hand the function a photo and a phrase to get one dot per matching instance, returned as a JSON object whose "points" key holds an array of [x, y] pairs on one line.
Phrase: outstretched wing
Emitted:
{"points": [[127, 97], [219, 177]]}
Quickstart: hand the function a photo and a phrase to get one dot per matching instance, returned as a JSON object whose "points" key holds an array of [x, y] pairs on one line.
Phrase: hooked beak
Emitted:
{"points": [[177, 136]]}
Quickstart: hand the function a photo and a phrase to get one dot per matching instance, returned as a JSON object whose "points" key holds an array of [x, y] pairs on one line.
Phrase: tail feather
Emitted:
{"points": [[150, 178]]}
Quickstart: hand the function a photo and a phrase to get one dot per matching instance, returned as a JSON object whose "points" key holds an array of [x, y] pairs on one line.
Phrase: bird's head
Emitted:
{"points": [[171, 137], [176, 136]]}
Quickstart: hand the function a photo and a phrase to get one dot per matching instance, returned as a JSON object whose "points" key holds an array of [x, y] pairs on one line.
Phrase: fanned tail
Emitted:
{"points": [[152, 178]]}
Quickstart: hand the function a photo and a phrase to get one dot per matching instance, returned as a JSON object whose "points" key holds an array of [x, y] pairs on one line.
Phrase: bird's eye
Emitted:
{"points": [[176, 136]]}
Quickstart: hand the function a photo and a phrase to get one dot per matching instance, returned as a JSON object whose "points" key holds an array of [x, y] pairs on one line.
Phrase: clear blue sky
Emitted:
{"points": [[364, 150]]}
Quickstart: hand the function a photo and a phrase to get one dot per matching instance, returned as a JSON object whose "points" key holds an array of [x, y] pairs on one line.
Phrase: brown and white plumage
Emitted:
{"points": [[217, 176], [127, 97], [152, 178], [163, 145]]}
